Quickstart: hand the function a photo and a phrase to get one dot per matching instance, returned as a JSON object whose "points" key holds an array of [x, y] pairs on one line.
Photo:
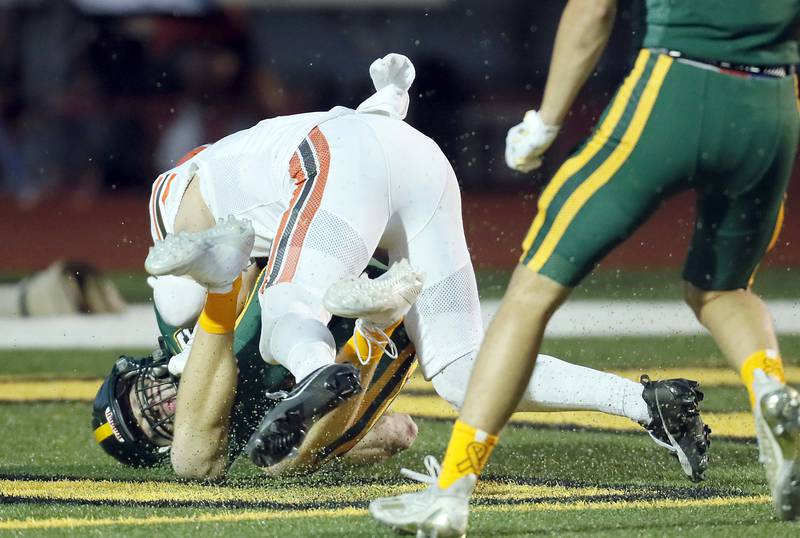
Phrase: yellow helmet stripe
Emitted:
{"points": [[103, 432]]}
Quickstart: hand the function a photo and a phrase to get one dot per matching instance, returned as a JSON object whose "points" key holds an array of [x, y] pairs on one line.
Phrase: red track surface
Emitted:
{"points": [[112, 232]]}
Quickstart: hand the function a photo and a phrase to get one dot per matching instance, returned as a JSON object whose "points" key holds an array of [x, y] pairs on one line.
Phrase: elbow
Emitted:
{"points": [[592, 13], [197, 469], [603, 11], [197, 461]]}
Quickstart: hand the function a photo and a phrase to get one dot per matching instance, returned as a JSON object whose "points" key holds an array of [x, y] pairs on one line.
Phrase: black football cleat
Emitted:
{"points": [[284, 426], [676, 423]]}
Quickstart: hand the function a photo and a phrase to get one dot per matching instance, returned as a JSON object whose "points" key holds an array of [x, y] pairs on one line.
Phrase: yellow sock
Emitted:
{"points": [[765, 359], [467, 453], [367, 349], [219, 313]]}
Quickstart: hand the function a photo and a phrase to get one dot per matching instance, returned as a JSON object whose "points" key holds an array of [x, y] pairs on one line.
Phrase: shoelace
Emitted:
{"points": [[431, 465], [376, 339]]}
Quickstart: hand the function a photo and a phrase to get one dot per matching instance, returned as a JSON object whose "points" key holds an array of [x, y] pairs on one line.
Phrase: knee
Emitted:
{"points": [[534, 294], [450, 387], [290, 308], [291, 330], [178, 301], [287, 297], [697, 298]]}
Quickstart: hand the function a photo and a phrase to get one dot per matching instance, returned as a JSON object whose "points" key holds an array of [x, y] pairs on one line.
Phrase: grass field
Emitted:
{"points": [[562, 474]]}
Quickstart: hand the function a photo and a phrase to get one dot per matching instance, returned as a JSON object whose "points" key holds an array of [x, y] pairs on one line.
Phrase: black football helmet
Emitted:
{"points": [[114, 422]]}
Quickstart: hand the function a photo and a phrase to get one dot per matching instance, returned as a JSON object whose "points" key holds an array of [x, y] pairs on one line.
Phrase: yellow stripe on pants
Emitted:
{"points": [[606, 171], [594, 145]]}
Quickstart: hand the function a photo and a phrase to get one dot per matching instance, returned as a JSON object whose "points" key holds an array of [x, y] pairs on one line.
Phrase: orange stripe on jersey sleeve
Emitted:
{"points": [[153, 202], [191, 154], [166, 189]]}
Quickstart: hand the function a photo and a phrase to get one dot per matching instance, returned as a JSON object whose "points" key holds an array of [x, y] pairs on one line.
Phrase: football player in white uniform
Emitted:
{"points": [[317, 194]]}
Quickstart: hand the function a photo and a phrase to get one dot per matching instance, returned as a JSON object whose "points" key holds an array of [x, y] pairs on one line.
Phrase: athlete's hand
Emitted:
{"points": [[527, 141], [392, 76]]}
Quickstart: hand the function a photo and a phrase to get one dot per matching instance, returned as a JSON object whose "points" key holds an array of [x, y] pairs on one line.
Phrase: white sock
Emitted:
{"points": [[556, 385], [304, 359], [560, 386], [301, 344]]}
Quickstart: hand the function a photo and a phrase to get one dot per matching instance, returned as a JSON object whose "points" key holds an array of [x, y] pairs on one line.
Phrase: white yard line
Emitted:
{"points": [[136, 328]]}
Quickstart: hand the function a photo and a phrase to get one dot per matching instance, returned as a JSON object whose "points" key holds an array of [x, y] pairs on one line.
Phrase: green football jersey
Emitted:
{"points": [[750, 32], [255, 377]]}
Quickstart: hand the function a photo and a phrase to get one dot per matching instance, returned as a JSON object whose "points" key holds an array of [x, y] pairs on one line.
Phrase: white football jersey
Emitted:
{"points": [[245, 174]]}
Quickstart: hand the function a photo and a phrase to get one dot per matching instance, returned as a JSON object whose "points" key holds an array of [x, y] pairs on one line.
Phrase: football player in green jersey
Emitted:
{"points": [[711, 106], [133, 413]]}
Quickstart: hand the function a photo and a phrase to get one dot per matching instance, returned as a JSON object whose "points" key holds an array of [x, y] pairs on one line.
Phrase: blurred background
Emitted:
{"points": [[98, 96]]}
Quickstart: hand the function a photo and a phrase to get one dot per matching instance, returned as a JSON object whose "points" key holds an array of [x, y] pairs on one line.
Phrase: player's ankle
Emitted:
{"points": [[769, 362], [467, 453]]}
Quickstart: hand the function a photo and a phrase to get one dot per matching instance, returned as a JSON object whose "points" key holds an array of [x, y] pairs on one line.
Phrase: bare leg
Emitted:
{"points": [[737, 319]]}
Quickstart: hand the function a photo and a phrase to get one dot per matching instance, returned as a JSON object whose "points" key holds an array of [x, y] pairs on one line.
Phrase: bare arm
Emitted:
{"points": [[581, 38], [208, 382], [202, 416]]}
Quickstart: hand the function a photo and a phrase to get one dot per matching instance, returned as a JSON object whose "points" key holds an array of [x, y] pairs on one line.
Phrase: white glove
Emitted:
{"points": [[214, 257], [177, 363], [392, 76], [527, 141], [394, 69]]}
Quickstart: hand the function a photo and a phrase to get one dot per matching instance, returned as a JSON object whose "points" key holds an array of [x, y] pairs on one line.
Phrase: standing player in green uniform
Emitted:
{"points": [[711, 106]]}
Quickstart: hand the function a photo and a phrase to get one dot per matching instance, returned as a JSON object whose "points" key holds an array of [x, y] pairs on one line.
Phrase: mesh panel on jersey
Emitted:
{"points": [[227, 170], [335, 237], [445, 323], [454, 294]]}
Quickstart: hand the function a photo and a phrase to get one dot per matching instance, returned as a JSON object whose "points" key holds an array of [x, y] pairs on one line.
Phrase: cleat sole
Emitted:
{"points": [[284, 427]]}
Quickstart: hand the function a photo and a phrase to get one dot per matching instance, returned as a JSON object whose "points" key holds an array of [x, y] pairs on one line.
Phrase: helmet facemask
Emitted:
{"points": [[153, 396], [133, 412]]}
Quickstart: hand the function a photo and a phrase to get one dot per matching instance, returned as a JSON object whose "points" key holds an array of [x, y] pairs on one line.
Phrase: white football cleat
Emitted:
{"points": [[376, 304], [433, 512], [214, 257], [382, 301], [777, 417]]}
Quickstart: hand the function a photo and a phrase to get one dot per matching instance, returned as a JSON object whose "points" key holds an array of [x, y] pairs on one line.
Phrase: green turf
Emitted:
{"points": [[602, 353], [645, 284], [46, 440], [636, 284]]}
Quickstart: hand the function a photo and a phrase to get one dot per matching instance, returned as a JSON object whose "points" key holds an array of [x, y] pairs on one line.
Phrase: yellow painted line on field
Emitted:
{"points": [[174, 492], [627, 505], [152, 491], [265, 515], [211, 517], [85, 389], [59, 389], [735, 424], [717, 377]]}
